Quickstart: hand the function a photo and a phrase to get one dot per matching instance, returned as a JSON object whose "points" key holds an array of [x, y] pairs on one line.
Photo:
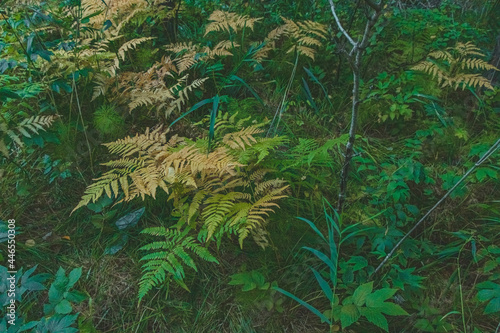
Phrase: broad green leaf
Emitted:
{"points": [[130, 219], [375, 317], [76, 296], [63, 307], [74, 276], [392, 309], [493, 306], [360, 294], [349, 314], [379, 296]]}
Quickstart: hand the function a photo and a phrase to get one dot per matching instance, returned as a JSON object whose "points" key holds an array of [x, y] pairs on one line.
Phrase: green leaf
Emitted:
{"points": [[311, 75], [55, 295], [483, 173], [327, 290], [130, 219], [379, 296], [64, 307], [213, 117], [349, 314], [304, 304], [74, 276], [360, 294], [313, 227], [76, 296], [193, 108], [254, 93], [322, 257], [493, 306], [375, 317], [392, 309]]}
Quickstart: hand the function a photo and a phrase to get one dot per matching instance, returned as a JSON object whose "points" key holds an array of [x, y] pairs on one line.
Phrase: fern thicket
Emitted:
{"points": [[168, 84], [211, 192], [214, 181]]}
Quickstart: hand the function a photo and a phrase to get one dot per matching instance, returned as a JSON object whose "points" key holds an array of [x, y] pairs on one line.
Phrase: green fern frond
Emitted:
{"points": [[169, 257]]}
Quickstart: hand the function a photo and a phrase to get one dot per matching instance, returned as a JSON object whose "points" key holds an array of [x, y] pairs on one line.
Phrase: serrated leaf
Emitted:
{"points": [[349, 314], [360, 294], [379, 296], [375, 317]]}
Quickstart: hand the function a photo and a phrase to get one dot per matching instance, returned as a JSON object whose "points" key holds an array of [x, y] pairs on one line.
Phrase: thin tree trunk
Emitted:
{"points": [[349, 151], [355, 57]]}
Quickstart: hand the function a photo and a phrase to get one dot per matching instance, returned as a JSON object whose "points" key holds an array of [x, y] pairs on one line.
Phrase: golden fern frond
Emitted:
{"points": [[304, 35], [445, 55], [95, 190], [314, 28], [258, 212], [473, 80], [36, 123], [261, 237], [221, 49], [455, 60], [121, 12], [183, 95], [131, 44], [225, 21], [100, 88], [242, 138], [467, 49], [144, 144], [180, 47], [217, 162], [120, 54], [267, 185], [186, 61], [144, 98], [306, 40], [178, 161], [307, 51], [258, 175], [475, 63]]}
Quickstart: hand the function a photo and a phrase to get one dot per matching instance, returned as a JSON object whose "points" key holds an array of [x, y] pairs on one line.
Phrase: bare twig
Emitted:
{"points": [[332, 6], [478, 163]]}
